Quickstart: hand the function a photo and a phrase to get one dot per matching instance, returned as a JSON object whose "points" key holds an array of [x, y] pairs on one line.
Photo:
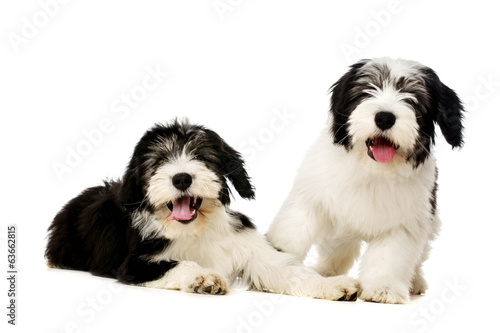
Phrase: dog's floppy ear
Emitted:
{"points": [[132, 194], [345, 95], [448, 109], [233, 166]]}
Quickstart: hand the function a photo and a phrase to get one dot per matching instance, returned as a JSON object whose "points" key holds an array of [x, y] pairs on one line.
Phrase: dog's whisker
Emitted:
{"points": [[345, 137], [336, 111], [334, 134], [134, 203], [423, 146]]}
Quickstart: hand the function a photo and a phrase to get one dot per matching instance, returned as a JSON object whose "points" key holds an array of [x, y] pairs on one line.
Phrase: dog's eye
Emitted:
{"points": [[198, 158]]}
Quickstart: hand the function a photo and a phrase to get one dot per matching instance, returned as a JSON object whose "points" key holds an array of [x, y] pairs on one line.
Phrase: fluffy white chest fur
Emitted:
{"points": [[354, 198], [218, 247]]}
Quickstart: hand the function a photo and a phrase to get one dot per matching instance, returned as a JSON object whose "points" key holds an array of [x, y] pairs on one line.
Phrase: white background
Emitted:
{"points": [[232, 69]]}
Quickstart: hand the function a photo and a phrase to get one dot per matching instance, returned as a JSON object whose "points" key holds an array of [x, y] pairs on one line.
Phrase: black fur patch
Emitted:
{"points": [[138, 270], [245, 222], [90, 233]]}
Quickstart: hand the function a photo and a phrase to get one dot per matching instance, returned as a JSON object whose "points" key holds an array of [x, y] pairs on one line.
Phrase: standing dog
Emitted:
{"points": [[167, 224], [371, 176]]}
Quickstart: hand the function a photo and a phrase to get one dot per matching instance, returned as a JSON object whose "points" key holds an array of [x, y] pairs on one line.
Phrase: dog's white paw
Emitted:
{"points": [[206, 283], [338, 288], [388, 292], [190, 277]]}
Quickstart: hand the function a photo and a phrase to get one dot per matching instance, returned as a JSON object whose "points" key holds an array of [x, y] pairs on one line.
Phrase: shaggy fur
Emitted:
{"points": [[371, 176], [167, 224]]}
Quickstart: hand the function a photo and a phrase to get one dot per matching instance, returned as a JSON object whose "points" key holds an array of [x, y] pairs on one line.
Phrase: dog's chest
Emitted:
{"points": [[373, 207], [211, 250]]}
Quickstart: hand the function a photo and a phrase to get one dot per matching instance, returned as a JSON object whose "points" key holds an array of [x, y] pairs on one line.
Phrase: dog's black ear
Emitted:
{"points": [[345, 96], [448, 109], [132, 193], [233, 166]]}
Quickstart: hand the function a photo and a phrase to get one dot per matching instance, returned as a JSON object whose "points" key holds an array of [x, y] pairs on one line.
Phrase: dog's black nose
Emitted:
{"points": [[385, 120], [182, 181]]}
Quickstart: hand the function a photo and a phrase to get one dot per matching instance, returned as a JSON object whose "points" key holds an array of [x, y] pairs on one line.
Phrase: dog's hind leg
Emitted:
{"points": [[419, 285]]}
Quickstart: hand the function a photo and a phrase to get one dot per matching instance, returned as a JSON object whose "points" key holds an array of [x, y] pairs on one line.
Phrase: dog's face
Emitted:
{"points": [[384, 110], [178, 174]]}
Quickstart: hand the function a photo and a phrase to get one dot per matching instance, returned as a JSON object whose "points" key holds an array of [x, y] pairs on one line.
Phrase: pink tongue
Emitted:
{"points": [[383, 152], [181, 209]]}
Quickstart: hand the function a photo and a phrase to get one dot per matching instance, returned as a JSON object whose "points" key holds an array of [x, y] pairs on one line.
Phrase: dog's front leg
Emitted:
{"points": [[185, 276], [388, 266]]}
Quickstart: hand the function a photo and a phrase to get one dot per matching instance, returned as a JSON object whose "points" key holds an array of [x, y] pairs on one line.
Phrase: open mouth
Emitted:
{"points": [[381, 149], [184, 209]]}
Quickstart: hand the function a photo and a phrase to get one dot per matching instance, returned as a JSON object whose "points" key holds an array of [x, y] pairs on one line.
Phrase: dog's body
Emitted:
{"points": [[168, 225], [371, 176]]}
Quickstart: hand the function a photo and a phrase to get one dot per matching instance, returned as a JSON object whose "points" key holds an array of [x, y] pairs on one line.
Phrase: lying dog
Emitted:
{"points": [[167, 224], [371, 176]]}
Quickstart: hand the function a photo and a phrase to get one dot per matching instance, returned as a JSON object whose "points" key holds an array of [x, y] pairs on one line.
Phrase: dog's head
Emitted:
{"points": [[385, 109], [179, 173]]}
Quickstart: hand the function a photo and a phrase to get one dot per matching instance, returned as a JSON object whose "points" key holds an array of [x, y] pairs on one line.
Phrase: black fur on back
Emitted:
{"points": [[93, 233]]}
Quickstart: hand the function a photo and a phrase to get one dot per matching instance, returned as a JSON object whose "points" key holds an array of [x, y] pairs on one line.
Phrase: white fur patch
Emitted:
{"points": [[398, 67], [231, 253], [362, 120], [161, 190]]}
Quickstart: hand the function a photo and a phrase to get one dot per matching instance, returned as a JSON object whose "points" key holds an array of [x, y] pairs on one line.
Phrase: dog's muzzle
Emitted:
{"points": [[381, 149], [184, 209]]}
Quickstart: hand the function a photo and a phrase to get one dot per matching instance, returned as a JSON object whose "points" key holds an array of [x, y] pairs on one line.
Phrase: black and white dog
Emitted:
{"points": [[371, 176], [167, 224]]}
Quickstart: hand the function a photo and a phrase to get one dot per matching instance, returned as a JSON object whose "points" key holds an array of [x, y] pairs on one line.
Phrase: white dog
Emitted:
{"points": [[371, 176]]}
